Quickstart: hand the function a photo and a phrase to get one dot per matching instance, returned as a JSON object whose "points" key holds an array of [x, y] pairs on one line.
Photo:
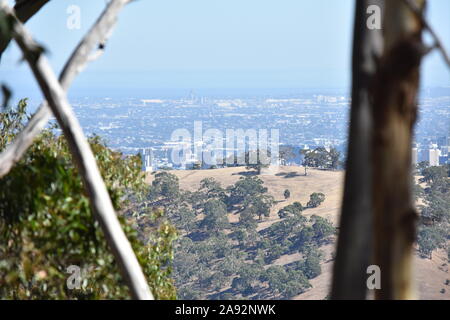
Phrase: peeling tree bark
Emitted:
{"points": [[394, 114], [354, 242]]}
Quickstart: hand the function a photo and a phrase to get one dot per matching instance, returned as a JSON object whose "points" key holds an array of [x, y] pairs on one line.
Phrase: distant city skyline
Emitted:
{"points": [[218, 45]]}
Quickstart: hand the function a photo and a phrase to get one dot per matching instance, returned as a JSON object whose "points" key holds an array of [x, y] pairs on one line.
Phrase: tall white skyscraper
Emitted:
{"points": [[414, 155], [433, 155], [147, 159]]}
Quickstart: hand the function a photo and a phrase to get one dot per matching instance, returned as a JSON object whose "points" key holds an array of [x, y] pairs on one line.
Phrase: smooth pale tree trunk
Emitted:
{"points": [[354, 242], [394, 115]]}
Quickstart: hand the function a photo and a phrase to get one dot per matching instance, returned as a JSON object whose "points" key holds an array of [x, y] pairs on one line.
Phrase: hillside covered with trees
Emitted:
{"points": [[218, 259], [434, 189]]}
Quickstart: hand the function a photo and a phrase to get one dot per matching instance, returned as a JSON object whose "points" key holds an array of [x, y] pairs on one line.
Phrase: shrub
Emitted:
{"points": [[315, 199]]}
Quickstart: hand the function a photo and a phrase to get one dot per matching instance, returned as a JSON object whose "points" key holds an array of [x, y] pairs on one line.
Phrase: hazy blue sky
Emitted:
{"points": [[213, 44]]}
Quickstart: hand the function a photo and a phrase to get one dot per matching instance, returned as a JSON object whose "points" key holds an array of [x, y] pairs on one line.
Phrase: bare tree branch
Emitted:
{"points": [[24, 10], [437, 41], [84, 159], [98, 34]]}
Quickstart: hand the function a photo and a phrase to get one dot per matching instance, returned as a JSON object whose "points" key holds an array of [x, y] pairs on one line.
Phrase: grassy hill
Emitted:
{"points": [[430, 274]]}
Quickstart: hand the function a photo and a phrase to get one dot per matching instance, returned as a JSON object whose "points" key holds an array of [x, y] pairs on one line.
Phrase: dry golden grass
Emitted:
{"points": [[430, 274]]}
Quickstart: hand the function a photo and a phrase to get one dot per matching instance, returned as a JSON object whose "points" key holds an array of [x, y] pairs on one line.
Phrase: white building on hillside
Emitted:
{"points": [[433, 155], [147, 159]]}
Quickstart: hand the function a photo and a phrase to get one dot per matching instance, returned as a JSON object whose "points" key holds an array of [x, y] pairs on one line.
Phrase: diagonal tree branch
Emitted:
{"points": [[24, 10], [84, 159], [97, 35], [437, 41]]}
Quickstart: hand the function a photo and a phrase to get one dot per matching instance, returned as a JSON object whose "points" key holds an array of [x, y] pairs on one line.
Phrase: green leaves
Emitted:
{"points": [[315, 199], [285, 281], [435, 214], [291, 210], [321, 158], [11, 122], [46, 224], [165, 185]]}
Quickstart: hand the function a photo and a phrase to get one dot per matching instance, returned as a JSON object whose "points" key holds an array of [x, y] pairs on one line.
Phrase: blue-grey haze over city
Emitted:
{"points": [[230, 64]]}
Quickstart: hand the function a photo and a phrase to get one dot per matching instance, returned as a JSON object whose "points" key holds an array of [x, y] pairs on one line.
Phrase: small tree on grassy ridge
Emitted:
{"points": [[286, 194], [315, 199]]}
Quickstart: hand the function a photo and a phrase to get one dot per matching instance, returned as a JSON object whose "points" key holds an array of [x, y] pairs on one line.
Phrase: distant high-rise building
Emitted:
{"points": [[443, 142], [147, 159], [430, 154], [414, 155], [445, 150], [192, 97], [444, 160], [433, 155], [423, 155]]}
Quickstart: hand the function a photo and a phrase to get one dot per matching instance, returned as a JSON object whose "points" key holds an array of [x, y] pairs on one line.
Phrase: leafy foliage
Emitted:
{"points": [[322, 158], [11, 122], [165, 185], [46, 224], [315, 200], [287, 194], [215, 219], [244, 188], [286, 282], [435, 214], [291, 210]]}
